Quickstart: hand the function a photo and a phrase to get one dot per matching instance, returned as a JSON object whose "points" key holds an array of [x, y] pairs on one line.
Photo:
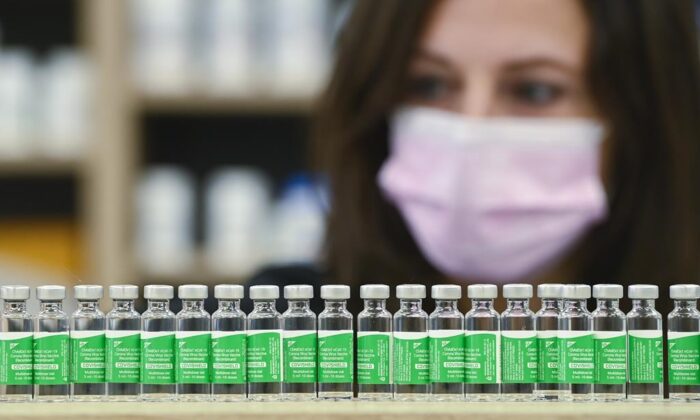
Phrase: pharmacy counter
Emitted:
{"points": [[349, 410]]}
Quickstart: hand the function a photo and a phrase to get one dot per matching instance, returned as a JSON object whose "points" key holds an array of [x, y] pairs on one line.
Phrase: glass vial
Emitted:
{"points": [[123, 345], [16, 345], [518, 344], [411, 344], [446, 333], [374, 344], [158, 345], [264, 345], [548, 387], [645, 345], [51, 346], [228, 345], [684, 344], [610, 344], [335, 345], [576, 355], [193, 345], [299, 344], [87, 333], [482, 345]]}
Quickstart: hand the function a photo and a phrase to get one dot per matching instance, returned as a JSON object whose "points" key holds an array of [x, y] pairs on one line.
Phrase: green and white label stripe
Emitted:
{"points": [[482, 356], [374, 352]]}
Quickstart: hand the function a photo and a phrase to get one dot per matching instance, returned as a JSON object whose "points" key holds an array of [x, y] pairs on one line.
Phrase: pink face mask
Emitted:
{"points": [[494, 199]]}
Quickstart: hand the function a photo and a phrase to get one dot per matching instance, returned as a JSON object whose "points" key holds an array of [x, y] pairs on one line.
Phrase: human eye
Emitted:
{"points": [[535, 93]]}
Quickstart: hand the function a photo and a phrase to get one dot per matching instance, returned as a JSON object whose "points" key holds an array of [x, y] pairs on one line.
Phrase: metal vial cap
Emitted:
{"points": [[14, 292], [88, 292], [684, 291], [643, 291], [576, 291], [158, 292], [517, 291], [374, 291], [335, 292], [608, 291], [51, 292], [410, 291], [264, 292], [124, 292], [193, 291], [446, 292], [298, 292], [550, 291], [482, 291], [228, 291]]}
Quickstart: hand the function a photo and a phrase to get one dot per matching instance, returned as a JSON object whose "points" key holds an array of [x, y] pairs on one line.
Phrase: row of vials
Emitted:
{"points": [[561, 353]]}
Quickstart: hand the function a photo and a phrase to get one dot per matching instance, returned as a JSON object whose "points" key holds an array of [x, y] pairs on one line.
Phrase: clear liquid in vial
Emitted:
{"points": [[129, 323], [18, 323]]}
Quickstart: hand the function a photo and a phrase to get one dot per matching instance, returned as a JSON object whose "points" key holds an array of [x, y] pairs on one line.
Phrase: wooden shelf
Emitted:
{"points": [[354, 410], [39, 166], [200, 103]]}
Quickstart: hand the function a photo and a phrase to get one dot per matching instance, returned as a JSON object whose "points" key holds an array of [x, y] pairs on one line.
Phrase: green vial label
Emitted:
{"points": [[335, 361], [264, 358], [373, 358], [193, 361], [548, 357], [51, 358], [411, 358], [87, 357], [519, 357], [123, 357], [299, 348], [446, 356], [576, 357], [16, 358], [646, 356], [482, 357], [683, 358], [610, 349], [158, 357], [228, 352]]}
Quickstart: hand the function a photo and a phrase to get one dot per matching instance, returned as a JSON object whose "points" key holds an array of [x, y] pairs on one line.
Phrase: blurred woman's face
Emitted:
{"points": [[517, 58]]}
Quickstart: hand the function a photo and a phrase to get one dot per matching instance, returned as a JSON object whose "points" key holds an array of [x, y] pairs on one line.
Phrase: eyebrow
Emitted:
{"points": [[517, 64]]}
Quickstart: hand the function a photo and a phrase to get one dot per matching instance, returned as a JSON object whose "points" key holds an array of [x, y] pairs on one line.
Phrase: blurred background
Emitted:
{"points": [[159, 141]]}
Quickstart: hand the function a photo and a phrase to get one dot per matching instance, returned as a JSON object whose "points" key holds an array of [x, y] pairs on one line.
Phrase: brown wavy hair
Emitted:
{"points": [[643, 73]]}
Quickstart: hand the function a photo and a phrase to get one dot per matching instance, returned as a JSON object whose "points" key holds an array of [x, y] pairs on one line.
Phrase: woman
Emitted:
{"points": [[617, 79]]}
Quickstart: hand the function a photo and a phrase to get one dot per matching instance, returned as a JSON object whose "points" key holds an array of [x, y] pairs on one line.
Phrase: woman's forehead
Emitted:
{"points": [[498, 32]]}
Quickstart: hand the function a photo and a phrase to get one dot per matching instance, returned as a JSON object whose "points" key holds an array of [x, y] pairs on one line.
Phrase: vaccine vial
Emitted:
{"points": [[518, 344], [87, 343], [51, 346], [264, 345], [335, 345], [299, 344], [684, 344], [123, 345], [446, 333], [158, 345], [610, 344], [374, 345], [193, 344], [411, 345], [645, 345], [228, 345], [482, 345], [548, 387], [16, 345], [576, 357]]}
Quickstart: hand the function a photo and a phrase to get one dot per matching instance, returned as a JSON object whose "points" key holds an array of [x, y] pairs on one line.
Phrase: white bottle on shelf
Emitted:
{"points": [[237, 215], [165, 221]]}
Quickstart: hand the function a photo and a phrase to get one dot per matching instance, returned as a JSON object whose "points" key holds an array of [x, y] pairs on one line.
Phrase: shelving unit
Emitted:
{"points": [[123, 141]]}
